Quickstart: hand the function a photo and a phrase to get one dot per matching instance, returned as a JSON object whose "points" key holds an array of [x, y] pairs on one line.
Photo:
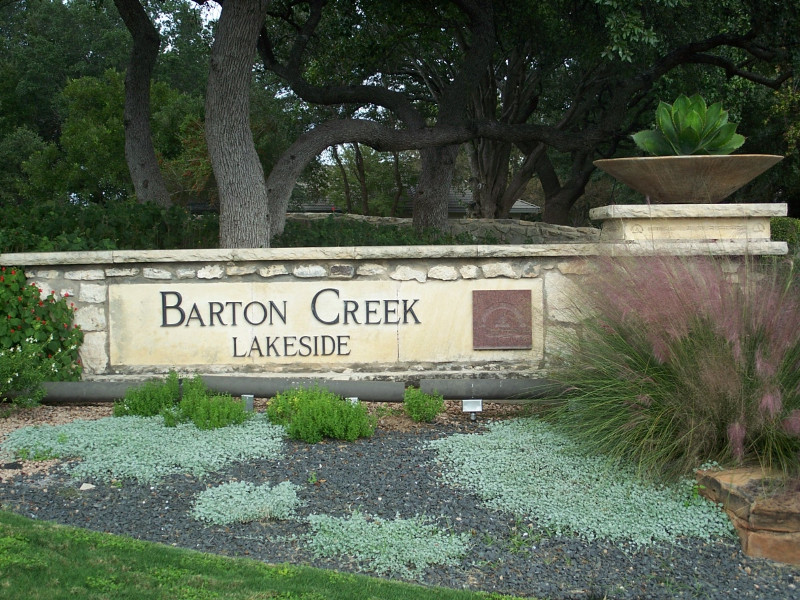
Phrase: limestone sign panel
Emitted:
{"points": [[260, 325]]}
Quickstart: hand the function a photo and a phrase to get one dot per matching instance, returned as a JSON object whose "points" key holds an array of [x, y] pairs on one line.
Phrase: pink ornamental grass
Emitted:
{"points": [[723, 340]]}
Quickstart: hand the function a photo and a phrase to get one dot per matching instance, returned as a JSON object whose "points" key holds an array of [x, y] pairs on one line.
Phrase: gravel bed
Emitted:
{"points": [[394, 474]]}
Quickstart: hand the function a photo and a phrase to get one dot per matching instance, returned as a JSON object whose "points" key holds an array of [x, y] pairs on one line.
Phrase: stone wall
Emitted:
{"points": [[500, 231], [355, 313]]}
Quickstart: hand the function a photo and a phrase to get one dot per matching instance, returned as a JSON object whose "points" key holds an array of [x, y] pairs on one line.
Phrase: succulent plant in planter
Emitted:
{"points": [[689, 126], [692, 162]]}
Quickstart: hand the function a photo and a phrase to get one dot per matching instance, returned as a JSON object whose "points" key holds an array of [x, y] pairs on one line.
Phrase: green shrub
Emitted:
{"points": [[786, 229], [20, 375], [150, 398], [311, 414], [421, 406], [63, 225], [681, 364], [206, 411], [337, 230], [40, 329], [180, 402]]}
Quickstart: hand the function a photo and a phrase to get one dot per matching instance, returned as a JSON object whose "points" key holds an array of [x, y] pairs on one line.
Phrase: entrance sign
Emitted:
{"points": [[265, 325]]}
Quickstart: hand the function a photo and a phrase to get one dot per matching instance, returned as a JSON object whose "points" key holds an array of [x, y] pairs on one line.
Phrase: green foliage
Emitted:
{"points": [[180, 403], [311, 414], [241, 502], [786, 229], [205, 410], [63, 225], [688, 126], [143, 449], [421, 406], [336, 230], [537, 473], [40, 331], [150, 398], [20, 374], [680, 365], [404, 547]]}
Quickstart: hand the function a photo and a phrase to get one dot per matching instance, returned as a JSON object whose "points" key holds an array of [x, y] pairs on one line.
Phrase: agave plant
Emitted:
{"points": [[688, 126]]}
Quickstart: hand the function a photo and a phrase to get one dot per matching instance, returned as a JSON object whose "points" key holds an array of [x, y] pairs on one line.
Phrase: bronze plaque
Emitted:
{"points": [[501, 320]]}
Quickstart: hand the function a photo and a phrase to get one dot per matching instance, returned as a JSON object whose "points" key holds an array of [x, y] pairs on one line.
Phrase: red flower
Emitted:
{"points": [[66, 294], [13, 272], [2, 278], [41, 303]]}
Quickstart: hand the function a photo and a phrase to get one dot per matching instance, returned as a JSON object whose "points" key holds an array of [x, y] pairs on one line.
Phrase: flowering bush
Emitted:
{"points": [[20, 375], [684, 363], [37, 332]]}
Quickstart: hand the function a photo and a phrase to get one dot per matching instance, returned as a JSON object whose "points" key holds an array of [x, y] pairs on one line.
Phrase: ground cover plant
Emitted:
{"points": [[241, 501], [403, 547], [43, 561], [143, 449], [314, 413], [531, 469], [687, 361]]}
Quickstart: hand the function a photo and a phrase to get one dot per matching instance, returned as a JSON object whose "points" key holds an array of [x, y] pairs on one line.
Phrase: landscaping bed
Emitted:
{"points": [[395, 474]]}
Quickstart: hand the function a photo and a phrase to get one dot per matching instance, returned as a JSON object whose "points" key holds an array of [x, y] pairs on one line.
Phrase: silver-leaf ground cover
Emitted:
{"points": [[242, 501], [525, 467], [142, 449]]}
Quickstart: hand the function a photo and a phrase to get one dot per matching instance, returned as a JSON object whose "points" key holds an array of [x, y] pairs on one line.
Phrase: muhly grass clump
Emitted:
{"points": [[687, 361], [241, 502], [528, 468], [142, 449], [402, 547]]}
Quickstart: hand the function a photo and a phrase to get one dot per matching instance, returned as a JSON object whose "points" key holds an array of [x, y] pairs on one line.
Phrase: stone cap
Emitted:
{"points": [[644, 211], [626, 248]]}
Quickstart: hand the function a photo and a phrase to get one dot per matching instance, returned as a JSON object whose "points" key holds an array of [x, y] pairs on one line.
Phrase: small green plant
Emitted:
{"points": [[688, 126], [311, 414], [150, 398], [422, 407], [205, 410], [180, 402]]}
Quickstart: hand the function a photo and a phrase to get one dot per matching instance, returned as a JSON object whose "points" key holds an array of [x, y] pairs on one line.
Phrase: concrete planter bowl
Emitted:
{"points": [[695, 179]]}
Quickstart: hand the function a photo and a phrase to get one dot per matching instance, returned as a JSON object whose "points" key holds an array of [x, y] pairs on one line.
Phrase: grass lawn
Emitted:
{"points": [[44, 561]]}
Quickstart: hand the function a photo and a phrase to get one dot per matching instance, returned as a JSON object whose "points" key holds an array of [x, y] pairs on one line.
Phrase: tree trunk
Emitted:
{"points": [[244, 217], [345, 182], [362, 179], [433, 188], [148, 183], [560, 198], [398, 182]]}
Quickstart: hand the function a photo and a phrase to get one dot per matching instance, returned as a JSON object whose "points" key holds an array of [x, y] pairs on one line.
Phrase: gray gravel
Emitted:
{"points": [[390, 475]]}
